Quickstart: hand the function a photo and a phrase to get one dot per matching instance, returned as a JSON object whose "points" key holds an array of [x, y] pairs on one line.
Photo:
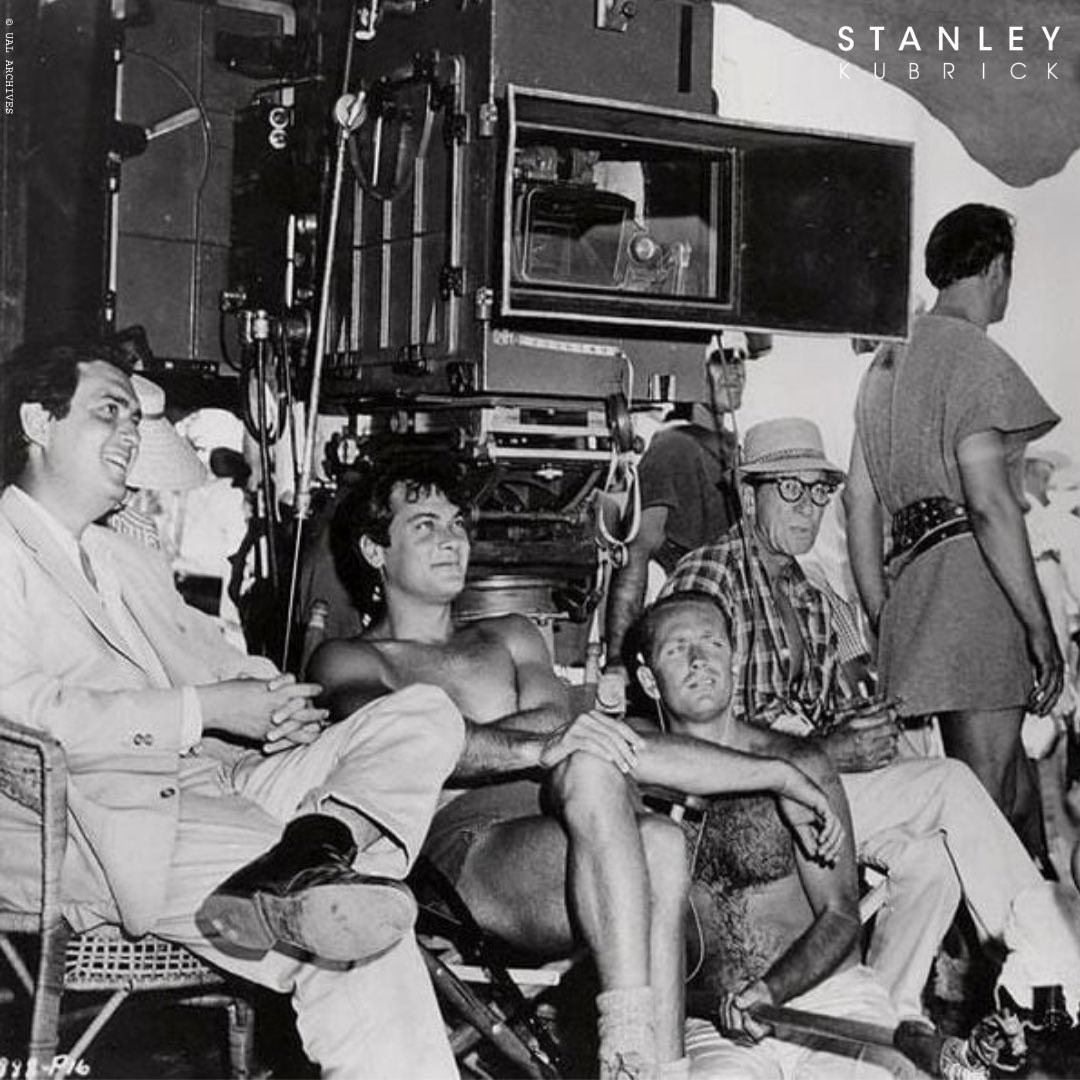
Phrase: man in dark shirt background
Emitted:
{"points": [[687, 498]]}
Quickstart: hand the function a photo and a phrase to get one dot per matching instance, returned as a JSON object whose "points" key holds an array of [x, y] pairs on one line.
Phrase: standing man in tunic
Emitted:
{"points": [[941, 426]]}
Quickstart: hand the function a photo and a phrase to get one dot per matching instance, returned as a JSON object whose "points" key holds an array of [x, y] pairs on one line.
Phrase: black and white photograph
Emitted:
{"points": [[540, 539]]}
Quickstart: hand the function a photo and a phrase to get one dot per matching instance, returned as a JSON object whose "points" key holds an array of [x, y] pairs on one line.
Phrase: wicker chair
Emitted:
{"points": [[33, 774]]}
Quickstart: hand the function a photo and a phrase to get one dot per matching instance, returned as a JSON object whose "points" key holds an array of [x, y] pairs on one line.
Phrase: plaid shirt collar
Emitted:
{"points": [[734, 573]]}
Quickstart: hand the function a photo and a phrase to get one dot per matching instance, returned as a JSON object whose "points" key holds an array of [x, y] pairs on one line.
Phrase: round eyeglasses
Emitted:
{"points": [[792, 489]]}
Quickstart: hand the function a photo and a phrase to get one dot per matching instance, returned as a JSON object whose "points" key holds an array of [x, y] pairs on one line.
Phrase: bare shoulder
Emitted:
{"points": [[516, 642], [341, 659], [518, 633]]}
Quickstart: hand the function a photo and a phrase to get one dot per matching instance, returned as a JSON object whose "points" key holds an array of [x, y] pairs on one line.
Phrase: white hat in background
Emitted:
{"points": [[1056, 459], [209, 428], [166, 461]]}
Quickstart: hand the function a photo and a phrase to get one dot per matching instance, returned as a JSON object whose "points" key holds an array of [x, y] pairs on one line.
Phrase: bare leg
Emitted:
{"points": [[988, 741], [669, 878], [608, 876], [540, 883]]}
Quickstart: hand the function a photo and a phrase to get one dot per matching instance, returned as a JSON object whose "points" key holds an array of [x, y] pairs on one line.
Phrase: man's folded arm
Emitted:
{"points": [[95, 720], [698, 767]]}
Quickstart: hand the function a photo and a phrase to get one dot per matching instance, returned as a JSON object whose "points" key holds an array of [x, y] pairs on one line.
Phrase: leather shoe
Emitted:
{"points": [[304, 893]]}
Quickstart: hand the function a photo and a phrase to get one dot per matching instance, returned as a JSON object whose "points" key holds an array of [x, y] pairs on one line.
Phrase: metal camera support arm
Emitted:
{"points": [[349, 112]]}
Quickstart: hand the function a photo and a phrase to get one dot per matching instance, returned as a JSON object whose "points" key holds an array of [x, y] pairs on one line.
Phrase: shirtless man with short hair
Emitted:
{"points": [[560, 849], [772, 925]]}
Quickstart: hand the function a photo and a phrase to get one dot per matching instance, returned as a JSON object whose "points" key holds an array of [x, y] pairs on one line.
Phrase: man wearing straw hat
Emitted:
{"points": [[927, 820]]}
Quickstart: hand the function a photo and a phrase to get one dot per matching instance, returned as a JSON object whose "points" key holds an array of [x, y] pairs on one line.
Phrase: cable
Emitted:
{"points": [[348, 114], [625, 358], [700, 934], [290, 401], [223, 344], [663, 725], [402, 178]]}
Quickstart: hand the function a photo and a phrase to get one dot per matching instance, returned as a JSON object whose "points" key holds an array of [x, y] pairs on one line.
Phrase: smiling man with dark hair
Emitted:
{"points": [[211, 805]]}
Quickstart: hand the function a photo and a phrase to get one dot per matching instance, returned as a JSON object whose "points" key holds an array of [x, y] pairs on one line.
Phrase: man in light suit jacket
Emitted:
{"points": [[210, 804]]}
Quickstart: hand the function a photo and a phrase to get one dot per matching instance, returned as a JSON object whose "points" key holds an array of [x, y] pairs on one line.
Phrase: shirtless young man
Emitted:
{"points": [[772, 925], [560, 850]]}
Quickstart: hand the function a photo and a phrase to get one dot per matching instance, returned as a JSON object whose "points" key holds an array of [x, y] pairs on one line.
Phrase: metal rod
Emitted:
{"points": [[531, 516], [810, 1023], [929, 1050], [266, 465], [349, 114]]}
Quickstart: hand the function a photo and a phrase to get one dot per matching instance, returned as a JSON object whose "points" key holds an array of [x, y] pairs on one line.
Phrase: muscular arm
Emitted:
{"points": [[698, 767], [516, 740], [541, 732], [744, 763], [351, 674], [865, 534], [998, 524], [832, 892], [538, 733], [627, 591]]}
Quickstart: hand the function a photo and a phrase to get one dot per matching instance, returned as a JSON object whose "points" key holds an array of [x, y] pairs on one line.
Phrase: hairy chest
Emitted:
{"points": [[742, 843], [475, 669]]}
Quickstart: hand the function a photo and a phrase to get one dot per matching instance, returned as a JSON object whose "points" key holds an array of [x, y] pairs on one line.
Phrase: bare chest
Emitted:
{"points": [[477, 672]]}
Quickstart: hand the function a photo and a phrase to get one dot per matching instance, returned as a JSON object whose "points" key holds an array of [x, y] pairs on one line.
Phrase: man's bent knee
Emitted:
{"points": [[960, 782], [946, 784], [922, 864], [585, 787], [429, 715]]}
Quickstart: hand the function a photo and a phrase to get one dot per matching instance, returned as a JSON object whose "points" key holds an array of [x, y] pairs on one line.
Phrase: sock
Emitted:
{"points": [[679, 1069], [627, 1034]]}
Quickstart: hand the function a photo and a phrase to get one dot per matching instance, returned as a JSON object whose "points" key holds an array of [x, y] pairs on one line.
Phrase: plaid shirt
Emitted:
{"points": [[764, 689]]}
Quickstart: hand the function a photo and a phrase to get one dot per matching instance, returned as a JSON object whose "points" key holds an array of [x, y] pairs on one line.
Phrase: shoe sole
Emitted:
{"points": [[341, 923]]}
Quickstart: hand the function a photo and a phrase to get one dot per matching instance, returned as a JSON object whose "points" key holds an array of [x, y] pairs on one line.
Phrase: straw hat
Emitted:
{"points": [[166, 462], [781, 447]]}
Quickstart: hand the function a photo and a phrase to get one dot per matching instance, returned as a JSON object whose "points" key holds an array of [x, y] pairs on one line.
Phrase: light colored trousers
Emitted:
{"points": [[932, 824], [853, 994], [388, 761]]}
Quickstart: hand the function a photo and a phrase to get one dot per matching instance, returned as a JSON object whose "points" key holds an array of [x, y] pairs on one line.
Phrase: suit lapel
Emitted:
{"points": [[55, 562], [138, 607]]}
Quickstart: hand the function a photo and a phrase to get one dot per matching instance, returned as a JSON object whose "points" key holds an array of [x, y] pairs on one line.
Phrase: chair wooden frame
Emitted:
{"points": [[33, 773], [484, 998]]}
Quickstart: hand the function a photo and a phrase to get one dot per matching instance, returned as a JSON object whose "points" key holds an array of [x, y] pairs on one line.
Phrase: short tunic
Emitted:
{"points": [[949, 637]]}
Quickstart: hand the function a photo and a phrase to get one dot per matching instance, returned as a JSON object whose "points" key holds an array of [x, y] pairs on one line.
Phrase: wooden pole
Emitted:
{"points": [[927, 1049]]}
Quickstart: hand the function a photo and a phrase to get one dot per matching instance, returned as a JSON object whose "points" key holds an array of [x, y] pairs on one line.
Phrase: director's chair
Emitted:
{"points": [[498, 1006]]}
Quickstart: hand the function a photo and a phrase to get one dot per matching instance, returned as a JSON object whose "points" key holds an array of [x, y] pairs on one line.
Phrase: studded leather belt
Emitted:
{"points": [[922, 525]]}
